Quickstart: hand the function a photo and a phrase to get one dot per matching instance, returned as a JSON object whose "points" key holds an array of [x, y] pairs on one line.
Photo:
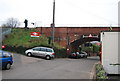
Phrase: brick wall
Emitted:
{"points": [[65, 35]]}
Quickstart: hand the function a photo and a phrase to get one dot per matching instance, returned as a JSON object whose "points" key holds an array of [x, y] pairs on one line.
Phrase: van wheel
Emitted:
{"points": [[47, 57], [29, 54], [8, 66]]}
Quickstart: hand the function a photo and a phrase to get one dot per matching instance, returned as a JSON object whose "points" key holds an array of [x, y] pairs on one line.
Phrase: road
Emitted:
{"points": [[37, 68]]}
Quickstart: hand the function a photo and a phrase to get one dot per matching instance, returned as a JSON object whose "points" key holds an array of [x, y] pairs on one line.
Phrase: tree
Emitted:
{"points": [[11, 22]]}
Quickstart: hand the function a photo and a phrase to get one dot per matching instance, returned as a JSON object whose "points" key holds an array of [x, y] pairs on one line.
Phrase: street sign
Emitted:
{"points": [[35, 34], [90, 35]]}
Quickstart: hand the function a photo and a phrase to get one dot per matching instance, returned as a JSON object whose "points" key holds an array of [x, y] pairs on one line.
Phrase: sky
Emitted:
{"points": [[75, 13]]}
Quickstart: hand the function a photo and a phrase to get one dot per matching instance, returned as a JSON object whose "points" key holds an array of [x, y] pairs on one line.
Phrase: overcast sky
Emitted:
{"points": [[68, 12]]}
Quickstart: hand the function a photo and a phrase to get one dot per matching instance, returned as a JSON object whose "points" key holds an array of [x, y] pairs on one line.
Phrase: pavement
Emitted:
{"points": [[37, 68]]}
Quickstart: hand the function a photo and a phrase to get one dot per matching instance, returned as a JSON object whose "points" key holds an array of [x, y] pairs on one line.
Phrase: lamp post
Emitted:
{"points": [[53, 24]]}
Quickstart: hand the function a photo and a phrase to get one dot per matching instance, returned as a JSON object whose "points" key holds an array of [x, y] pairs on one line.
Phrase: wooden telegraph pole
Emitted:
{"points": [[53, 24]]}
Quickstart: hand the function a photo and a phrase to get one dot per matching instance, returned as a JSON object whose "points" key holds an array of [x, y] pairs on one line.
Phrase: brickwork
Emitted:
{"points": [[66, 35]]}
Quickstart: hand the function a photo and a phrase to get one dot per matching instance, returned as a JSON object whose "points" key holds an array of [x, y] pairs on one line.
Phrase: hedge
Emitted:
{"points": [[59, 53]]}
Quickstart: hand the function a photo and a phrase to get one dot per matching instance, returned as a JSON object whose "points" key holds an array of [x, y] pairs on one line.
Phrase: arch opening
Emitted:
{"points": [[74, 46]]}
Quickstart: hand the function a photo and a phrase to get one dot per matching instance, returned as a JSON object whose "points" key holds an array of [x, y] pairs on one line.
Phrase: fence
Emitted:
{"points": [[4, 32]]}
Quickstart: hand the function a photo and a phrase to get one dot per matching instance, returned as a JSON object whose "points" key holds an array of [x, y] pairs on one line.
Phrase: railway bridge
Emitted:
{"points": [[74, 36]]}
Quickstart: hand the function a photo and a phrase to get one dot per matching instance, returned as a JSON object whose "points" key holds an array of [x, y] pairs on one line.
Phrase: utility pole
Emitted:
{"points": [[53, 24]]}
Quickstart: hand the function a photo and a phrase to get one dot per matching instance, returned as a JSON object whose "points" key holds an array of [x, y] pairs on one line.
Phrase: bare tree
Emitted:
{"points": [[4, 25], [12, 22]]}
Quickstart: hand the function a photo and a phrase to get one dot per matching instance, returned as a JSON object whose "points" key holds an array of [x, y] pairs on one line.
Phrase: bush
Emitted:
{"points": [[19, 49], [94, 48], [99, 67], [90, 49], [101, 75], [60, 53]]}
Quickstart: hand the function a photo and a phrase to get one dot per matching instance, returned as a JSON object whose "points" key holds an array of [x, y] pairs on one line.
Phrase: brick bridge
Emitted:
{"points": [[67, 36]]}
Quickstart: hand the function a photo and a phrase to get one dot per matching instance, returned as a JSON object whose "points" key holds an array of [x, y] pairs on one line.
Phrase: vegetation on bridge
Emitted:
{"points": [[20, 40]]}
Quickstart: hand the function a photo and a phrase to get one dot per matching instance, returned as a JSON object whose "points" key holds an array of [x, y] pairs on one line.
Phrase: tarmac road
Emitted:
{"points": [[37, 68]]}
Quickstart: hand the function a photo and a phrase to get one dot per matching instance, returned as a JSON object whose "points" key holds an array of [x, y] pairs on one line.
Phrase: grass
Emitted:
{"points": [[20, 40], [21, 37]]}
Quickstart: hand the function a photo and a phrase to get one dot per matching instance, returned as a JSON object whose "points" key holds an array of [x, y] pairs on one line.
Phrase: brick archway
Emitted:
{"points": [[65, 35], [74, 45]]}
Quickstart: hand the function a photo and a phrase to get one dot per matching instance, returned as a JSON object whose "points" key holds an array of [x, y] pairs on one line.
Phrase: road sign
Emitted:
{"points": [[90, 35], [35, 34]]}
